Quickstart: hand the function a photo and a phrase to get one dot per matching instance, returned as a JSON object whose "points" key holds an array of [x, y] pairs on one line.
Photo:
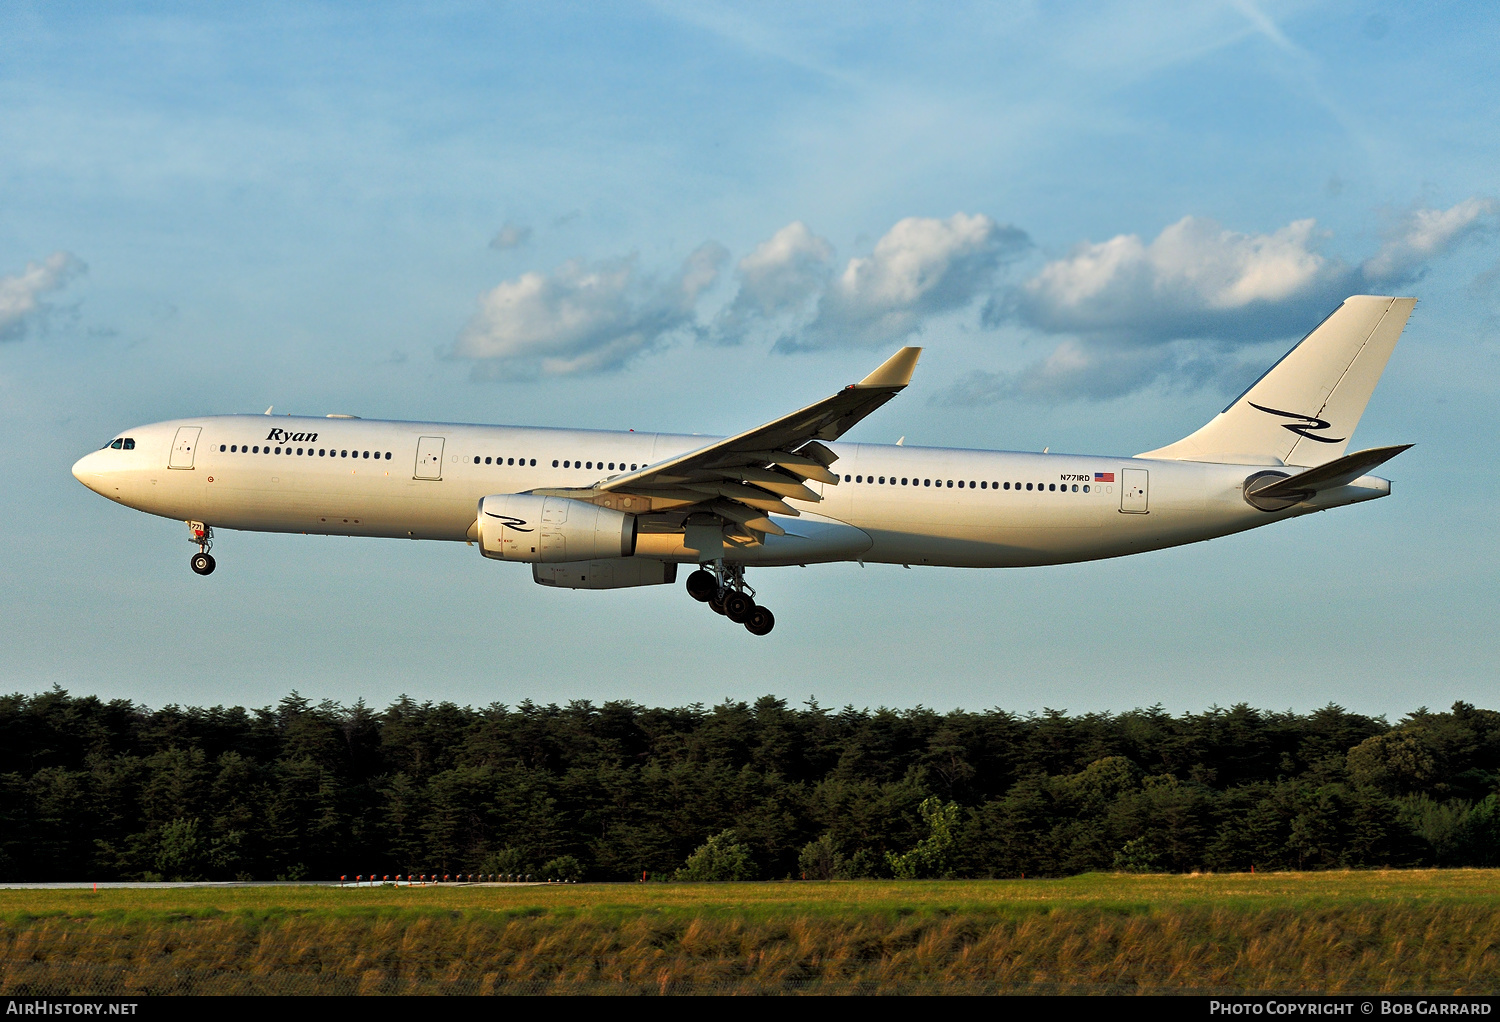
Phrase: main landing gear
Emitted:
{"points": [[725, 592], [202, 562]]}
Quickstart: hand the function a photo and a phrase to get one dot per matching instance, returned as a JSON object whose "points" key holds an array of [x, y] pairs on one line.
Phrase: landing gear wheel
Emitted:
{"points": [[203, 564], [716, 603], [760, 621], [737, 607], [701, 585]]}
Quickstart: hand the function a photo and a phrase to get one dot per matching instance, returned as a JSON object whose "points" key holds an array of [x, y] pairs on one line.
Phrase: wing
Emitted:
{"points": [[743, 478]]}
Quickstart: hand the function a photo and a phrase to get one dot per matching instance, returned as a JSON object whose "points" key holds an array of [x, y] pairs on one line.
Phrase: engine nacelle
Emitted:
{"points": [[524, 527], [620, 573]]}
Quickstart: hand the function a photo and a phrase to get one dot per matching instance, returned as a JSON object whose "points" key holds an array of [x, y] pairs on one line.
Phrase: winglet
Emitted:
{"points": [[896, 371]]}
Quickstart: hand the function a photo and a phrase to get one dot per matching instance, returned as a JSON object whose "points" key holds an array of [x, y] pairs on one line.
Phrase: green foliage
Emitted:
{"points": [[1137, 856], [933, 855], [564, 868], [821, 860], [721, 857], [507, 862], [111, 790]]}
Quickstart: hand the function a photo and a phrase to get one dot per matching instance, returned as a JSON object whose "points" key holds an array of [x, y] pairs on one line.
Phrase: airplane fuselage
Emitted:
{"points": [[893, 504]]}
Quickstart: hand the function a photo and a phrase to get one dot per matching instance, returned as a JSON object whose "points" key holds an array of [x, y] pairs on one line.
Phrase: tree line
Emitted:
{"points": [[102, 790]]}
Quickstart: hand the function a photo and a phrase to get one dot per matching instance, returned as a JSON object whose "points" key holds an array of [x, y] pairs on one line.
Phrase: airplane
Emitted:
{"points": [[596, 509]]}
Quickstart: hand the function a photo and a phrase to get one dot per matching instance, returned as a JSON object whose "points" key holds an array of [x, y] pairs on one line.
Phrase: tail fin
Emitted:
{"points": [[1305, 407]]}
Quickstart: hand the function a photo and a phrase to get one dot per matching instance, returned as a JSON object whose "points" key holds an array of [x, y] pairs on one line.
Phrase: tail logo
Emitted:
{"points": [[509, 522], [1303, 425]]}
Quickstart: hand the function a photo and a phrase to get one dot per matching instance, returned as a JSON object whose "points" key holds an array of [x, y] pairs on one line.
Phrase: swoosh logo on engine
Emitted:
{"points": [[1303, 425], [509, 522]]}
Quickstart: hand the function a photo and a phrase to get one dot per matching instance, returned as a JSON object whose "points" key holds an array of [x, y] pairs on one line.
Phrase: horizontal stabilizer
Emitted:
{"points": [[1273, 488]]}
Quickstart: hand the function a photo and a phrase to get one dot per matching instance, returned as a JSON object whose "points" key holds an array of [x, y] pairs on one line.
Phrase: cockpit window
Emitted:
{"points": [[124, 443], [118, 444], [129, 443]]}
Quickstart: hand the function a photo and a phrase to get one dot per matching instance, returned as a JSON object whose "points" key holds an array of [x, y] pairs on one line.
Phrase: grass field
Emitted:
{"points": [[1411, 931]]}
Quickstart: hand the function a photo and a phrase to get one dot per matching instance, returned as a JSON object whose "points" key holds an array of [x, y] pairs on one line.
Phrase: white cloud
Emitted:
{"points": [[584, 317], [1194, 279], [512, 235], [1425, 233], [777, 279], [1177, 309], [20, 295], [923, 267]]}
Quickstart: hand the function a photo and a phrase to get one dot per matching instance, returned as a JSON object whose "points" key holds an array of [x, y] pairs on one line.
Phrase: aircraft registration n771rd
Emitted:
{"points": [[592, 509]]}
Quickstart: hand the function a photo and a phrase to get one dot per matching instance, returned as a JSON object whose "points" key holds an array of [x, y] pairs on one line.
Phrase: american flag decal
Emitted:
{"points": [[1104, 477]]}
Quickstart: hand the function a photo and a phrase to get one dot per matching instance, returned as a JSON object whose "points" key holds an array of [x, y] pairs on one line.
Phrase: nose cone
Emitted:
{"points": [[87, 471]]}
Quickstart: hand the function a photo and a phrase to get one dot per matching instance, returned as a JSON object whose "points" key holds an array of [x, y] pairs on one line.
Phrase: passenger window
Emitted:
{"points": [[589, 465], [926, 482], [859, 479], [950, 484], [1075, 487], [1051, 486], [903, 480], [1085, 487], [343, 454], [554, 462], [1028, 486], [847, 479]]}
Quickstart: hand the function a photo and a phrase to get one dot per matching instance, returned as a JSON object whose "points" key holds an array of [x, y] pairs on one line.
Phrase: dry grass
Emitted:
{"points": [[1427, 932]]}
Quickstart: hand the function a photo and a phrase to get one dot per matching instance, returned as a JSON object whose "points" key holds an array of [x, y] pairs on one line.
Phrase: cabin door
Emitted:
{"points": [[183, 446], [429, 457], [1134, 487]]}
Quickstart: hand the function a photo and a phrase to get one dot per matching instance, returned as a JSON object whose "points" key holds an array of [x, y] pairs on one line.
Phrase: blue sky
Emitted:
{"points": [[1100, 220]]}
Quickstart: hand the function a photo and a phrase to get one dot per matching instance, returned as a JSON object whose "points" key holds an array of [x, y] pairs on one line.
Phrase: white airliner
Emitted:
{"points": [[592, 509]]}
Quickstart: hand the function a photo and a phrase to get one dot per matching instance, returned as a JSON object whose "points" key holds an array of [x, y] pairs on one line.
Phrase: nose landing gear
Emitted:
{"points": [[725, 592], [203, 535]]}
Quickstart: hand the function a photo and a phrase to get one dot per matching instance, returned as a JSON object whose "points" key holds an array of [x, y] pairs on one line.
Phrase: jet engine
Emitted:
{"points": [[524, 527]]}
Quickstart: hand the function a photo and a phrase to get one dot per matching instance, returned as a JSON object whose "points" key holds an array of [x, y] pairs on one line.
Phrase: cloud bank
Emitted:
{"points": [[20, 295], [921, 268], [1178, 310], [590, 317], [584, 317], [777, 279]]}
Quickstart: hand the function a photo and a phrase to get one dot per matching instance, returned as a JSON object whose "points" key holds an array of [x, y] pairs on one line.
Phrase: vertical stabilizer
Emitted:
{"points": [[1305, 407]]}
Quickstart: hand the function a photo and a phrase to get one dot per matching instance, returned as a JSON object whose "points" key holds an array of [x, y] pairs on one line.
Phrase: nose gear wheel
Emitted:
{"points": [[202, 536]]}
